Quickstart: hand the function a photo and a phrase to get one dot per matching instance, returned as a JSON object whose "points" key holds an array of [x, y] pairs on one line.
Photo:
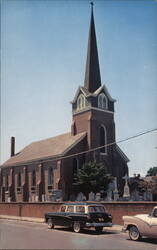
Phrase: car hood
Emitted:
{"points": [[142, 216]]}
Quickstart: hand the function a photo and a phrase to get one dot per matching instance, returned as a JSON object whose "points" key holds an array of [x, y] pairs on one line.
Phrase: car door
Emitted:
{"points": [[60, 219], [153, 224], [68, 215]]}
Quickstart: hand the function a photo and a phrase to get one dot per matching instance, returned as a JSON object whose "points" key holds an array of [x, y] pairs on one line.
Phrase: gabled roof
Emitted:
{"points": [[48, 148], [96, 93], [122, 154]]}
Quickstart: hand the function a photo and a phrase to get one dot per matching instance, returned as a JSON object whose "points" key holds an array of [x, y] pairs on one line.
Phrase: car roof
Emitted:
{"points": [[83, 203]]}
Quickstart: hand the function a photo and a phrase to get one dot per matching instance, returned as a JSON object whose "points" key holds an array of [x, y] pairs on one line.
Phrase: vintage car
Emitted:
{"points": [[141, 225], [80, 215]]}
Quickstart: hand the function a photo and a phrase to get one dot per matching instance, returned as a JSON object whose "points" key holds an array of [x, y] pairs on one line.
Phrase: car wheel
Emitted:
{"points": [[50, 224], [98, 229], [134, 233], [76, 227]]}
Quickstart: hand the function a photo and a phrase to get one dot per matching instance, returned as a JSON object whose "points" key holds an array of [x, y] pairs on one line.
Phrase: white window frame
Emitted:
{"points": [[81, 102], [101, 102]]}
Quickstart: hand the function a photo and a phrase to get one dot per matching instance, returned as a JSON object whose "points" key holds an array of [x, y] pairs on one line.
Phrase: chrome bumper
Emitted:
{"points": [[94, 224]]}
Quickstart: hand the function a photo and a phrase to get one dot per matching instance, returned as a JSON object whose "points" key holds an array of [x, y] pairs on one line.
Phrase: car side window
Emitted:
{"points": [[80, 209], [155, 213], [63, 208], [70, 209]]}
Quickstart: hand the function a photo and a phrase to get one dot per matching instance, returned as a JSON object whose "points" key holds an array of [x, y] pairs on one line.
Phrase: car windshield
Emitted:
{"points": [[92, 209]]}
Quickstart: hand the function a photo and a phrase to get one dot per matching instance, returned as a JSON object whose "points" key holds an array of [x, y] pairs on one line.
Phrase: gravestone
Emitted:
{"points": [[109, 195], [126, 194], [43, 198], [36, 198], [9, 199], [135, 195], [110, 191], [57, 195], [80, 197], [33, 198], [97, 197], [147, 196], [115, 191], [91, 196]]}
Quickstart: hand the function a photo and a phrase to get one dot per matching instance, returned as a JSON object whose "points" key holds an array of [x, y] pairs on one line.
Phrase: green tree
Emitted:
{"points": [[152, 171], [93, 177]]}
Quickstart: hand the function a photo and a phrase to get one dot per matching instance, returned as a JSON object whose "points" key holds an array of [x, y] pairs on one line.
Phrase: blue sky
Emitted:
{"points": [[43, 55]]}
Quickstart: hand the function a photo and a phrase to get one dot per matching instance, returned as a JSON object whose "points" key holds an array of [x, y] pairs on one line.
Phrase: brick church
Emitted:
{"points": [[46, 168]]}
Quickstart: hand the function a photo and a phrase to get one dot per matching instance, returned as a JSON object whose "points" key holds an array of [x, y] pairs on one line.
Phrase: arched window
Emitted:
{"points": [[75, 168], [103, 139], [19, 180], [6, 183], [50, 177], [81, 102], [33, 178], [102, 101]]}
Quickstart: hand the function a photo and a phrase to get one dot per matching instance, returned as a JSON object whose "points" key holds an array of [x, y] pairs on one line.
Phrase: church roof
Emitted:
{"points": [[95, 93], [48, 148], [126, 159], [92, 74]]}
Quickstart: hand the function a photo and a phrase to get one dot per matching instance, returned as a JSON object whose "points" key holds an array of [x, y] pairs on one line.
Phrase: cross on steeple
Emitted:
{"points": [[92, 74]]}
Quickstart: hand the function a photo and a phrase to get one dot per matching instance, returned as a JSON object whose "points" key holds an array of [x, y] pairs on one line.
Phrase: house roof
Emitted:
{"points": [[48, 148]]}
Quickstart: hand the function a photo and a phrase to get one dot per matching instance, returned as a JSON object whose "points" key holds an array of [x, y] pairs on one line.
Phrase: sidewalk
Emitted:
{"points": [[114, 228]]}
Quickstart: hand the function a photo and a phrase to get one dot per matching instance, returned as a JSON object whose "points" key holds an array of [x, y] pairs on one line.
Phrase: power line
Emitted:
{"points": [[104, 146], [87, 151]]}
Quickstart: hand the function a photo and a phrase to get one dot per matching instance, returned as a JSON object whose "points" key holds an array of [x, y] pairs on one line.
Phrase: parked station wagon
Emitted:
{"points": [[80, 215], [141, 225]]}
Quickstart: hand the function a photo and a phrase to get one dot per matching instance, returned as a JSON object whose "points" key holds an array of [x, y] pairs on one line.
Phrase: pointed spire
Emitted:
{"points": [[92, 75]]}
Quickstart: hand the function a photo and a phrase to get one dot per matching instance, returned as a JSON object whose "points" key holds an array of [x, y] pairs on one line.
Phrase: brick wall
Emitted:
{"points": [[117, 209]]}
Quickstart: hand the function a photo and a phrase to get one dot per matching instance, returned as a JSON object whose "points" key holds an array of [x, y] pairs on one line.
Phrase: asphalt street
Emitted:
{"points": [[28, 235]]}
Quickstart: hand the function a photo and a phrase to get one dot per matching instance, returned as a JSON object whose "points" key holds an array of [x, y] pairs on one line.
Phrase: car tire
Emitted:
{"points": [[76, 227], [98, 229], [134, 233], [50, 224]]}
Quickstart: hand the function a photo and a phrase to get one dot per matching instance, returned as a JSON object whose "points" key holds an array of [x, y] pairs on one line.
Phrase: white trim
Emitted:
{"points": [[106, 91], [101, 105], [81, 102], [94, 108], [77, 92], [80, 88]]}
